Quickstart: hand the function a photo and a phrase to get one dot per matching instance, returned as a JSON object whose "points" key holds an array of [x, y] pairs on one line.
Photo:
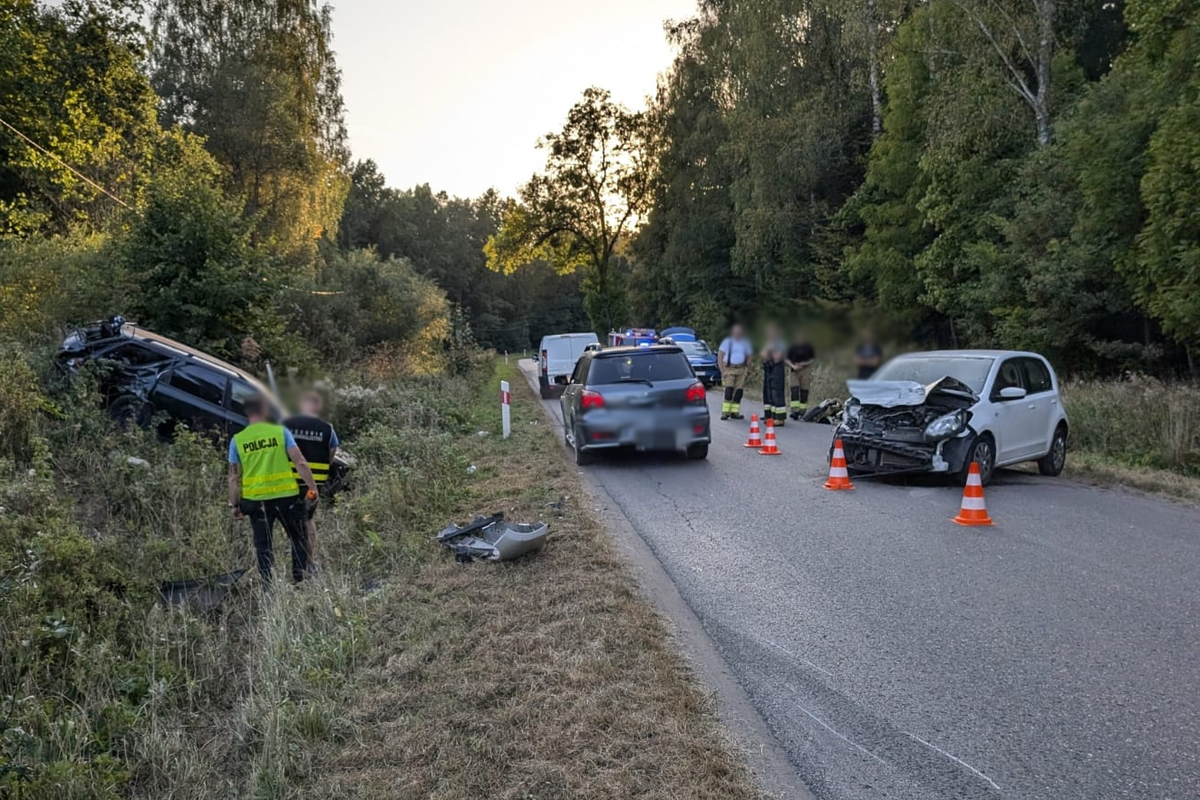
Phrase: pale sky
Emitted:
{"points": [[455, 93]]}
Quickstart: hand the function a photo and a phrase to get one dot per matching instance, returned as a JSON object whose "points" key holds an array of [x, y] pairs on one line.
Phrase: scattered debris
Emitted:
{"points": [[559, 505], [492, 539], [201, 594], [471, 469], [140, 463], [482, 433]]}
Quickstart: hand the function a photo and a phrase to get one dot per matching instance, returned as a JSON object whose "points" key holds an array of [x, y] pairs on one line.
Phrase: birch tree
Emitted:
{"points": [[1021, 35]]}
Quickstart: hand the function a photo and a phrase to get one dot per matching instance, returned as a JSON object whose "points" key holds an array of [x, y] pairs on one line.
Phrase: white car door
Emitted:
{"points": [[1041, 403], [1012, 424]]}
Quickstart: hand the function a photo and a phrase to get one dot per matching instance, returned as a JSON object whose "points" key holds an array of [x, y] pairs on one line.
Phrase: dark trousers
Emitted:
{"points": [[289, 512]]}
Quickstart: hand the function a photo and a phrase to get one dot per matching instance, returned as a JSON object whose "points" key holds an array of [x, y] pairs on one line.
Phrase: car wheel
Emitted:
{"points": [[130, 412], [983, 451], [545, 392], [582, 457], [1053, 462], [698, 452]]}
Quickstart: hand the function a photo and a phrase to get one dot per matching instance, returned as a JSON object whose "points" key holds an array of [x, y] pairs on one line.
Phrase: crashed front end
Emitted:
{"points": [[902, 426]]}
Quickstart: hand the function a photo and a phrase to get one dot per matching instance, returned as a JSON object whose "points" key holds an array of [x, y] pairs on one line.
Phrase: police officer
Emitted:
{"points": [[733, 358], [318, 442], [262, 486]]}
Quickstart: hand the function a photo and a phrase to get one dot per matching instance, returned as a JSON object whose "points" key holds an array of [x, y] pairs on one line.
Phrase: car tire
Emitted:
{"points": [[983, 450], [582, 457], [545, 392], [129, 412], [698, 452], [1053, 462]]}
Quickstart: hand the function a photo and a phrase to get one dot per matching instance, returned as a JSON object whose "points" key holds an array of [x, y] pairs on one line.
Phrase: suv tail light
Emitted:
{"points": [[545, 363], [590, 399], [696, 393]]}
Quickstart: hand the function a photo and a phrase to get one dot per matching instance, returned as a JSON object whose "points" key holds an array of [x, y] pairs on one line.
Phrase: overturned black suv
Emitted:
{"points": [[146, 378], [143, 374]]}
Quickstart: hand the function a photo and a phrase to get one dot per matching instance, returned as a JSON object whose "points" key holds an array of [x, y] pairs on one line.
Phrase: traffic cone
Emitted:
{"points": [[839, 476], [973, 510], [770, 448], [755, 436]]}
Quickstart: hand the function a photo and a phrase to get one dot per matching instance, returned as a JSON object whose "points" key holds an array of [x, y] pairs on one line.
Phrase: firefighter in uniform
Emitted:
{"points": [[800, 359], [733, 358], [263, 488], [775, 386], [318, 442]]}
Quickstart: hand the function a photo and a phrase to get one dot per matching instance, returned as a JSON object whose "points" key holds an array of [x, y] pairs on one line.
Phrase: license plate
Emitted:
{"points": [[656, 440]]}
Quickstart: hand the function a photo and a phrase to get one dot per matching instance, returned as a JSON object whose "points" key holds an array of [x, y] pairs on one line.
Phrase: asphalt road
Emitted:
{"points": [[894, 654]]}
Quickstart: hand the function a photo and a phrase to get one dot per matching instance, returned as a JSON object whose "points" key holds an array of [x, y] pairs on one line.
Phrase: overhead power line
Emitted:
{"points": [[62, 163]]}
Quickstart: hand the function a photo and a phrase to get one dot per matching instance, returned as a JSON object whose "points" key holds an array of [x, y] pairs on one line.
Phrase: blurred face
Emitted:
{"points": [[736, 331], [312, 405]]}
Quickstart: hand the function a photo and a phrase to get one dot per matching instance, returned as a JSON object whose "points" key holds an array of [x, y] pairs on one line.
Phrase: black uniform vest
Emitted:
{"points": [[313, 436]]}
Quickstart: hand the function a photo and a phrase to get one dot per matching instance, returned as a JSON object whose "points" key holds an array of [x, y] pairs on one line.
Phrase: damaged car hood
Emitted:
{"points": [[947, 391]]}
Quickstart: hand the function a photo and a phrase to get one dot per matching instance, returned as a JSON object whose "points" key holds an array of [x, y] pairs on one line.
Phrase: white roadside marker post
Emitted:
{"points": [[505, 408]]}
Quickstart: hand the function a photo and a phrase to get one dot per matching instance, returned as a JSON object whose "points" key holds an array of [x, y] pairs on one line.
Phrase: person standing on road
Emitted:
{"points": [[868, 356], [773, 342], [733, 358], [775, 386], [800, 359], [318, 442], [263, 488]]}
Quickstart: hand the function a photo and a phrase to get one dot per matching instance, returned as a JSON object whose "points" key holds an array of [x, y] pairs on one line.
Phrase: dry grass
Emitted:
{"points": [[546, 678]]}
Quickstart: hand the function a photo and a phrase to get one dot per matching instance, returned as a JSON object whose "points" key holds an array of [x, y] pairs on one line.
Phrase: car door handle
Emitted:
{"points": [[1032, 405]]}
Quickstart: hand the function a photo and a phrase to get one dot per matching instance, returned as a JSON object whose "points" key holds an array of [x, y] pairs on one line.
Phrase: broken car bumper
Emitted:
{"points": [[879, 454]]}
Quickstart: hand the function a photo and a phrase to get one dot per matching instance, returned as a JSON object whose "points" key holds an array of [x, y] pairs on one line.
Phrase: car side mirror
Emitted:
{"points": [[1012, 393]]}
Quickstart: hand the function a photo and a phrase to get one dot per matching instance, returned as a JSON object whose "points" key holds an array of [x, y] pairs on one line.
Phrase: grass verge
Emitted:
{"points": [[545, 678]]}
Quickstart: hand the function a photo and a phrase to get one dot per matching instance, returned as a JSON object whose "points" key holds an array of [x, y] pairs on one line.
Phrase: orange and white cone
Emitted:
{"points": [[755, 435], [839, 476], [974, 510], [770, 448]]}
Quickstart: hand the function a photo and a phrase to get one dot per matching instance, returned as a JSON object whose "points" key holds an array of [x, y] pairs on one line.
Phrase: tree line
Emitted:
{"points": [[185, 162], [1008, 173]]}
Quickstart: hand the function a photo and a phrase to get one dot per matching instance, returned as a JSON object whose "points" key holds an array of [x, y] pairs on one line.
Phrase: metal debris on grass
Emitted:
{"points": [[492, 539]]}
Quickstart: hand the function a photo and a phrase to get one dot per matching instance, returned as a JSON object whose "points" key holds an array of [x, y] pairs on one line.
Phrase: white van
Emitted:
{"points": [[556, 360]]}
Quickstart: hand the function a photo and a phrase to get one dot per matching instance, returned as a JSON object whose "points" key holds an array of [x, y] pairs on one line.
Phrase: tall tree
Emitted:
{"points": [[1022, 36], [80, 114], [577, 213], [258, 79]]}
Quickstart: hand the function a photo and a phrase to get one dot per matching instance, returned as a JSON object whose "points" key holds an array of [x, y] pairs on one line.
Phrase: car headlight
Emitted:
{"points": [[946, 426]]}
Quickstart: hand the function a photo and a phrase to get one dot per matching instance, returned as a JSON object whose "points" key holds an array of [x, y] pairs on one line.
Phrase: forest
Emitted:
{"points": [[1012, 173], [972, 173], [967, 173], [204, 188]]}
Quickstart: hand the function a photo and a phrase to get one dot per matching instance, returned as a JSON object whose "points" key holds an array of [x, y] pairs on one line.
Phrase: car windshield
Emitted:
{"points": [[694, 348], [638, 367], [972, 371]]}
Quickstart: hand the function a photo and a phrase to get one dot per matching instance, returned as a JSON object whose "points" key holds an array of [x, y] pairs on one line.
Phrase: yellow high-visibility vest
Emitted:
{"points": [[266, 467]]}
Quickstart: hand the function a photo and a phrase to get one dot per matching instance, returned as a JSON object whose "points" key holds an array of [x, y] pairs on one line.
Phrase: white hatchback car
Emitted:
{"points": [[939, 411]]}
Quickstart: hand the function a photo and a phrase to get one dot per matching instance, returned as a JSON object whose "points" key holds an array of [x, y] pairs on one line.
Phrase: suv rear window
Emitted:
{"points": [[638, 367]]}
